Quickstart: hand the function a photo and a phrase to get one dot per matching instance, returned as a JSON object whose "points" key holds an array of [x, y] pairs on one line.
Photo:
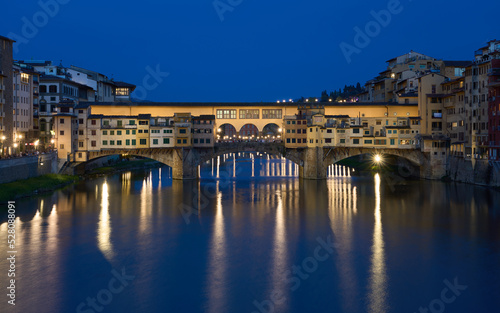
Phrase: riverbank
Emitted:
{"points": [[34, 186], [51, 182]]}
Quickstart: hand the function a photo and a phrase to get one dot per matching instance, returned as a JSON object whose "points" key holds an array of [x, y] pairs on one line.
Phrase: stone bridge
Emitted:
{"points": [[313, 162]]}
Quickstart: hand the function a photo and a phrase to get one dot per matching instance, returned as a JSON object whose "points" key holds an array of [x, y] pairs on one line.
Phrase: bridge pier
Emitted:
{"points": [[185, 164], [314, 165]]}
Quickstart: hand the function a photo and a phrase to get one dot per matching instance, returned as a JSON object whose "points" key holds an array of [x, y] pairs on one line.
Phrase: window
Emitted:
{"points": [[53, 88], [93, 143], [61, 146], [127, 142], [341, 140], [195, 140], [122, 91], [437, 114], [208, 140], [119, 123], [112, 132], [133, 131], [127, 132], [182, 131], [118, 142], [43, 89], [166, 141], [80, 132], [392, 142], [93, 122], [104, 132], [140, 131], [111, 142], [80, 144], [131, 122], [272, 113], [226, 114], [167, 131], [61, 132], [250, 114], [61, 121], [143, 122], [143, 142], [133, 142], [105, 123], [369, 142], [80, 121], [184, 141], [355, 130], [155, 141], [104, 142], [178, 141], [202, 140], [119, 132], [355, 141]]}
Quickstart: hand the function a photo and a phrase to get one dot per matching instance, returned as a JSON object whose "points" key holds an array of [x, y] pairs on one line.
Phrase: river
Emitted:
{"points": [[250, 236]]}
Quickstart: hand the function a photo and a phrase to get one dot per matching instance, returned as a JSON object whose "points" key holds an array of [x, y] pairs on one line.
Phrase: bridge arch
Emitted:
{"points": [[266, 147], [164, 156], [407, 160], [249, 130], [226, 131]]}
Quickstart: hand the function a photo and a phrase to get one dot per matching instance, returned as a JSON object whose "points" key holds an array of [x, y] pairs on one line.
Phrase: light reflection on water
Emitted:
{"points": [[246, 230]]}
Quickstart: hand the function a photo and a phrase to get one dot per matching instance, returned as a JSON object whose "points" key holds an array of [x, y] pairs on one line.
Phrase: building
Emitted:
{"points": [[476, 100], [26, 83], [6, 96], [494, 110]]}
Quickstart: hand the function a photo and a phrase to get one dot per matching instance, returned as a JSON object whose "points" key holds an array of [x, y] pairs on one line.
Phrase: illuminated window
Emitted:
{"points": [[226, 114], [25, 78], [122, 91]]}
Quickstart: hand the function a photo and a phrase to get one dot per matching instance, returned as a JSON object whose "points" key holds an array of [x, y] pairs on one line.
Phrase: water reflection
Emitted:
{"points": [[280, 260], [217, 291], [248, 232], [104, 227], [378, 275]]}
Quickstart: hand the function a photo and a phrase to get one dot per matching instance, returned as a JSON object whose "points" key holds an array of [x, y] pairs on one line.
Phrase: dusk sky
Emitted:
{"points": [[257, 51]]}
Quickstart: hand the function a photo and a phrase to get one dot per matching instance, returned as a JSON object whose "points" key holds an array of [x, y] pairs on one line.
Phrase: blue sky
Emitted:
{"points": [[260, 51]]}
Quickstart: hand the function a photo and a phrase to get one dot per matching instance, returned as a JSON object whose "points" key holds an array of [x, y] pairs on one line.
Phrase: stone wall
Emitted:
{"points": [[480, 172], [27, 167]]}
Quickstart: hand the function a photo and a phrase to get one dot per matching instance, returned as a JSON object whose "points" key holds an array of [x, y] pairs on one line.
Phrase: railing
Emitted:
{"points": [[119, 127]]}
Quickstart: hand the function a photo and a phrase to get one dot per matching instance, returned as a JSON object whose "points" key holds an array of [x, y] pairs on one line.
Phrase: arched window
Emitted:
{"points": [[53, 88], [43, 89]]}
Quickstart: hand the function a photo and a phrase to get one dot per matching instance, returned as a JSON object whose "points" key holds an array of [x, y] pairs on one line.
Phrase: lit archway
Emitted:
{"points": [[249, 130], [271, 131], [226, 132]]}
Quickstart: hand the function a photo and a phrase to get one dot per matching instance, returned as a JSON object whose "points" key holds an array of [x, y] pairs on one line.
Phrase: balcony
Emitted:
{"points": [[128, 126]]}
